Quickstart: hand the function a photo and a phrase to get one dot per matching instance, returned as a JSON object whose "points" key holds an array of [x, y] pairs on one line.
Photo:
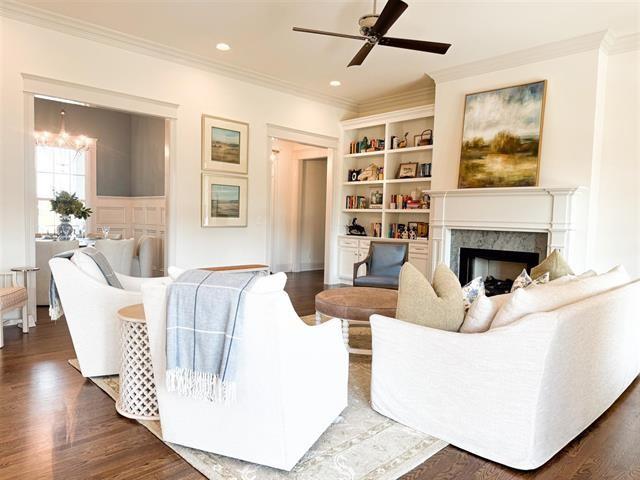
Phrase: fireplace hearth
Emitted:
{"points": [[499, 268]]}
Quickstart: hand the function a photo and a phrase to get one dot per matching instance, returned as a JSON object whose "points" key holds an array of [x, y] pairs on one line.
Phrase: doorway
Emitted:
{"points": [[299, 206]]}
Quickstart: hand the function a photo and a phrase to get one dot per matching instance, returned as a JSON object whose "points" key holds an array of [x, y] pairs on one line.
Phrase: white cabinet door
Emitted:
{"points": [[347, 256], [421, 262]]}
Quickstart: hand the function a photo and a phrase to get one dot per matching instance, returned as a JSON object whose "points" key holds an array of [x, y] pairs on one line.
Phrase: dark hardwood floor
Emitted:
{"points": [[55, 424]]}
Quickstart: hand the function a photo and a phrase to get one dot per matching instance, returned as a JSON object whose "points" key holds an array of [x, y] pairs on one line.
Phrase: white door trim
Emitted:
{"points": [[35, 85], [314, 140]]}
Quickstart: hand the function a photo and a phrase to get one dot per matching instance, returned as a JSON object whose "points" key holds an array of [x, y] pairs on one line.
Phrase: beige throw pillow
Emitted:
{"points": [[438, 306], [482, 311], [546, 298], [554, 264]]}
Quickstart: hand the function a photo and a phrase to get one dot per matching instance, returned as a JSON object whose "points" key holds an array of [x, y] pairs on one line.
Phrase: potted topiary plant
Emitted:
{"points": [[67, 205]]}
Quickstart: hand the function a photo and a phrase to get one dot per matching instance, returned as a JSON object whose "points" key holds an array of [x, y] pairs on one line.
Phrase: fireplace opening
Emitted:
{"points": [[499, 268]]}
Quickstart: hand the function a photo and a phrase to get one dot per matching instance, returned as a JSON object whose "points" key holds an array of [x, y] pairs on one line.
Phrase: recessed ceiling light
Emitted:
{"points": [[335, 83], [224, 47]]}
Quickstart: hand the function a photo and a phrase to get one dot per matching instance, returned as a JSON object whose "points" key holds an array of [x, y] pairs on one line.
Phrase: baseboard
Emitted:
{"points": [[305, 267]]}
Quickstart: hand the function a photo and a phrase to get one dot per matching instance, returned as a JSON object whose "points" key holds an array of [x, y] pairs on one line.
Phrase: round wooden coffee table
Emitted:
{"points": [[354, 305]]}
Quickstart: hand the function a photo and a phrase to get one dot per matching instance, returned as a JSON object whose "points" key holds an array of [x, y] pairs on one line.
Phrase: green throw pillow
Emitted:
{"points": [[438, 306], [554, 264]]}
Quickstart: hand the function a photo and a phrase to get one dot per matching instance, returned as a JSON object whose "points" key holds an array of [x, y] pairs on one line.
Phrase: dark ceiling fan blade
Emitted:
{"points": [[420, 45], [390, 13], [330, 34], [362, 54]]}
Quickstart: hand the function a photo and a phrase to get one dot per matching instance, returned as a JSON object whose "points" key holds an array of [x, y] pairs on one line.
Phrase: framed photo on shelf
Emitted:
{"points": [[224, 145], [407, 170], [224, 201]]}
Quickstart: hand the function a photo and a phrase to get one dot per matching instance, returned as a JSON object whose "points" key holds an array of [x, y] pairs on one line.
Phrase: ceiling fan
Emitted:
{"points": [[373, 28]]}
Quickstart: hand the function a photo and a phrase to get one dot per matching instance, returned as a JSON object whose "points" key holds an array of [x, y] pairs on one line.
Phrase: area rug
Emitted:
{"points": [[360, 445]]}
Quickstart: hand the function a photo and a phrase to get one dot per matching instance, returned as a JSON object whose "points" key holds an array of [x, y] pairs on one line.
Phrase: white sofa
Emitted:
{"points": [[90, 307], [515, 394], [291, 386]]}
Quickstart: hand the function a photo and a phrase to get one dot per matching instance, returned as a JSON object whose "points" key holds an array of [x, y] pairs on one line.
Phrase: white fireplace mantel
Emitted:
{"points": [[558, 211]]}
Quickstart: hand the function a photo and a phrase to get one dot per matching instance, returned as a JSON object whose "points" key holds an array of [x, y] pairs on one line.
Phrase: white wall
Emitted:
{"points": [[569, 116], [590, 138], [60, 56], [618, 212]]}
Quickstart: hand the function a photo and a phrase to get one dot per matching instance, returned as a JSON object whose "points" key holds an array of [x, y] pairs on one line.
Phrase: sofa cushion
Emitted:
{"points": [[438, 306], [546, 298], [481, 313], [87, 266], [571, 278], [524, 280], [555, 264], [471, 291], [12, 297]]}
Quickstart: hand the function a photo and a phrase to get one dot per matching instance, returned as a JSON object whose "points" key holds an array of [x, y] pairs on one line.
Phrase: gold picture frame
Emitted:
{"points": [[502, 136]]}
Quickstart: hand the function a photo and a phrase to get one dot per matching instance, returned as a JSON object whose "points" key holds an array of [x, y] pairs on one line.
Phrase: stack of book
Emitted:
{"points": [[355, 201], [396, 230]]}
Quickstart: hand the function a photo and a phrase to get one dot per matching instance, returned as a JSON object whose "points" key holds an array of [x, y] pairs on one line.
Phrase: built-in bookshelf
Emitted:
{"points": [[411, 205]]}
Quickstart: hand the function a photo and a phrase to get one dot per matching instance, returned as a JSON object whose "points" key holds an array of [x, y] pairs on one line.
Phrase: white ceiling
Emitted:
{"points": [[260, 35]]}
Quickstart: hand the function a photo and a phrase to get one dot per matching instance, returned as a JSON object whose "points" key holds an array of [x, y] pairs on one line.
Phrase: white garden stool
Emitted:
{"points": [[137, 398]]}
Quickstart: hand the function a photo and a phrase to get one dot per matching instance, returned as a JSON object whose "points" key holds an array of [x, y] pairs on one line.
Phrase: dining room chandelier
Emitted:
{"points": [[62, 139]]}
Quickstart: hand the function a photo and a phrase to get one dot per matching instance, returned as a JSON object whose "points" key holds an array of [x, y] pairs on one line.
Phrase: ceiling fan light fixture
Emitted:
{"points": [[335, 83], [223, 47]]}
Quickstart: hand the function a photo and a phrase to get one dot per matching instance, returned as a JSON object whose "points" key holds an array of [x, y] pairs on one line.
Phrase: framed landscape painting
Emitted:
{"points": [[224, 201], [501, 137], [224, 145]]}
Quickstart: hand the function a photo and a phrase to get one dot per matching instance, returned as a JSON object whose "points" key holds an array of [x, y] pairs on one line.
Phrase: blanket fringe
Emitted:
{"points": [[201, 386]]}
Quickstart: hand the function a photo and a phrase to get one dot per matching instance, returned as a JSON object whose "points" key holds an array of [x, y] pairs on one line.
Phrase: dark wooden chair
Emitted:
{"points": [[383, 264]]}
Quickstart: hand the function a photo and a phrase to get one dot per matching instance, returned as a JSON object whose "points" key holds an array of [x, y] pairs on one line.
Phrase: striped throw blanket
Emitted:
{"points": [[204, 328]]}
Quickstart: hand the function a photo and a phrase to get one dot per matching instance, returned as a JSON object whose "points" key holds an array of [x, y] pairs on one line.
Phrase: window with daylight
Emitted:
{"points": [[58, 169]]}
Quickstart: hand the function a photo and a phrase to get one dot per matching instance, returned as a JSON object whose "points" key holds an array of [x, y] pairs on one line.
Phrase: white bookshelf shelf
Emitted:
{"points": [[396, 150], [384, 239], [384, 126], [365, 154], [410, 149], [406, 210], [368, 182], [409, 180], [362, 210]]}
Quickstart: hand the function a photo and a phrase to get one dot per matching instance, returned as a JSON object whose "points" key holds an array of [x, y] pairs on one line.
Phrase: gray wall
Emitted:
{"points": [[147, 156], [129, 148]]}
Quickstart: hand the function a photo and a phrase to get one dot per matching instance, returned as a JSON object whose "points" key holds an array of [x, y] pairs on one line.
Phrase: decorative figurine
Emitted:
{"points": [[369, 173], [356, 229]]}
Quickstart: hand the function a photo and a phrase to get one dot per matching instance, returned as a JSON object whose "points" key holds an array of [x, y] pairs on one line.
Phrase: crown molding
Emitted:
{"points": [[415, 97], [583, 43], [79, 28], [625, 43]]}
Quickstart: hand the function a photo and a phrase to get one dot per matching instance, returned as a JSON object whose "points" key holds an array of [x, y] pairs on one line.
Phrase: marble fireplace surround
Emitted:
{"points": [[557, 212], [531, 242]]}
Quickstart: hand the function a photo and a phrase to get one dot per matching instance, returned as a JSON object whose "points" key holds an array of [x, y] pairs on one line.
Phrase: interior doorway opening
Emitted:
{"points": [[299, 211]]}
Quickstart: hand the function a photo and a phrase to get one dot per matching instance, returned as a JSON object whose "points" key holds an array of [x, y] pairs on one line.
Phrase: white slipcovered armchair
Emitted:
{"points": [[515, 394], [90, 306], [291, 385]]}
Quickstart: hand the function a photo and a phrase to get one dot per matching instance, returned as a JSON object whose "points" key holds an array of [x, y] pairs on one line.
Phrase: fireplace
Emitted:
{"points": [[498, 268]]}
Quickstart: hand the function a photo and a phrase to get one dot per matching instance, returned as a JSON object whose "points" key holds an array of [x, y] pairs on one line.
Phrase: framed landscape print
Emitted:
{"points": [[224, 201], [224, 145], [501, 137]]}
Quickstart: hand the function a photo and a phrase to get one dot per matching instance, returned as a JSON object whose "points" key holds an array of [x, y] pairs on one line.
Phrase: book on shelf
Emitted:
{"points": [[355, 202]]}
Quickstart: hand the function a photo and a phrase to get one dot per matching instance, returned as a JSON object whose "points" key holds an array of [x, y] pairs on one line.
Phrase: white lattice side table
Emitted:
{"points": [[137, 398]]}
